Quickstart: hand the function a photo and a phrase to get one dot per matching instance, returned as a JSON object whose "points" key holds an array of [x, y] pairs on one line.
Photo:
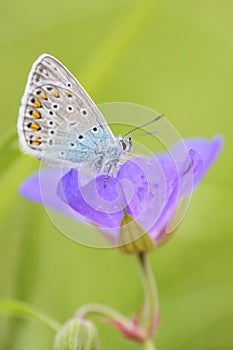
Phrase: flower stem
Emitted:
{"points": [[100, 310], [125, 325], [131, 328], [151, 312], [149, 345]]}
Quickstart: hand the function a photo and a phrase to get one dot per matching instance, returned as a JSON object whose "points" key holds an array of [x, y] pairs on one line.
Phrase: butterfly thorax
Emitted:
{"points": [[105, 159], [111, 153]]}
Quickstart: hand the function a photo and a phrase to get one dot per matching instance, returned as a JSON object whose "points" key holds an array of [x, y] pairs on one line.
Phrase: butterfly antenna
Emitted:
{"points": [[143, 125], [145, 133]]}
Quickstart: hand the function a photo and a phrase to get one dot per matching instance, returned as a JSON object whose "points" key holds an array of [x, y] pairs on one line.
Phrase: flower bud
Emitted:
{"points": [[77, 334], [132, 238]]}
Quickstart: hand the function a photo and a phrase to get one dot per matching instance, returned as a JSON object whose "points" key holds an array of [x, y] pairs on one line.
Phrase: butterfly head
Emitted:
{"points": [[125, 144]]}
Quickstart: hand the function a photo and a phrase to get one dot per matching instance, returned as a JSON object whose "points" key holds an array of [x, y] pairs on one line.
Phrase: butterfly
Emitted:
{"points": [[60, 125]]}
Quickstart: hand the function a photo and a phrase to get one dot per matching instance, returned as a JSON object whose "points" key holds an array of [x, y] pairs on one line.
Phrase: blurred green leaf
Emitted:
{"points": [[9, 150], [116, 43], [19, 308]]}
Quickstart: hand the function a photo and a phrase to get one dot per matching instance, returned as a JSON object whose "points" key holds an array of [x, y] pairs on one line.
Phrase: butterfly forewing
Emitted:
{"points": [[57, 119]]}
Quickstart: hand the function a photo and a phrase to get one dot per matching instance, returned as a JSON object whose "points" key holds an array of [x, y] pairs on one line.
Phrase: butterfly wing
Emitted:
{"points": [[58, 121]]}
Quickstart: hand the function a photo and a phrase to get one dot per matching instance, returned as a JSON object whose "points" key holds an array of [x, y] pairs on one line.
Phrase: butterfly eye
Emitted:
{"points": [[123, 145]]}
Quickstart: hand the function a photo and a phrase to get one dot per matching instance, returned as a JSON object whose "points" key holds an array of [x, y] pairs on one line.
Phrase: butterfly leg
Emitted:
{"points": [[107, 175]]}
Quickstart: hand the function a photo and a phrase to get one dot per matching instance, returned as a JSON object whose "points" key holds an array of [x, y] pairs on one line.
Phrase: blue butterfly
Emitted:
{"points": [[60, 125]]}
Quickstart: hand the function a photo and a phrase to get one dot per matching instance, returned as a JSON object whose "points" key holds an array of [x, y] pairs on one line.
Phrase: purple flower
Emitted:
{"points": [[147, 189]]}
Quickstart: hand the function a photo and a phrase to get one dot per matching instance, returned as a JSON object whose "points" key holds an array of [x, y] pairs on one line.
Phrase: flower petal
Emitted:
{"points": [[41, 187], [148, 188], [149, 191], [100, 205], [209, 150], [202, 153]]}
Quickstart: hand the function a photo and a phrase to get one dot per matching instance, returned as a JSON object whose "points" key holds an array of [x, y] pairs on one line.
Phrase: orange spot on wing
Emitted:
{"points": [[36, 114], [43, 96], [36, 143], [34, 126], [37, 104], [68, 93], [55, 93]]}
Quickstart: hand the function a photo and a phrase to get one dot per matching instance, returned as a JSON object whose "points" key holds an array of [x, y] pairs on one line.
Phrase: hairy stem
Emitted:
{"points": [[151, 311]]}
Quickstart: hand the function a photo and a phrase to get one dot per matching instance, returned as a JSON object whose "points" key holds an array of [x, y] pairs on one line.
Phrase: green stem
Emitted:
{"points": [[149, 345], [19, 308], [127, 326], [112, 315], [150, 291], [101, 310]]}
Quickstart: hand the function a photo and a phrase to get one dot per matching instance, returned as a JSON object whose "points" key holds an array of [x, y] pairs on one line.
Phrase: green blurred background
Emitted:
{"points": [[175, 57]]}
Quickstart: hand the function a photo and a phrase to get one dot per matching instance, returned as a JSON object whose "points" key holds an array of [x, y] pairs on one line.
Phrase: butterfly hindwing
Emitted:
{"points": [[58, 121]]}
